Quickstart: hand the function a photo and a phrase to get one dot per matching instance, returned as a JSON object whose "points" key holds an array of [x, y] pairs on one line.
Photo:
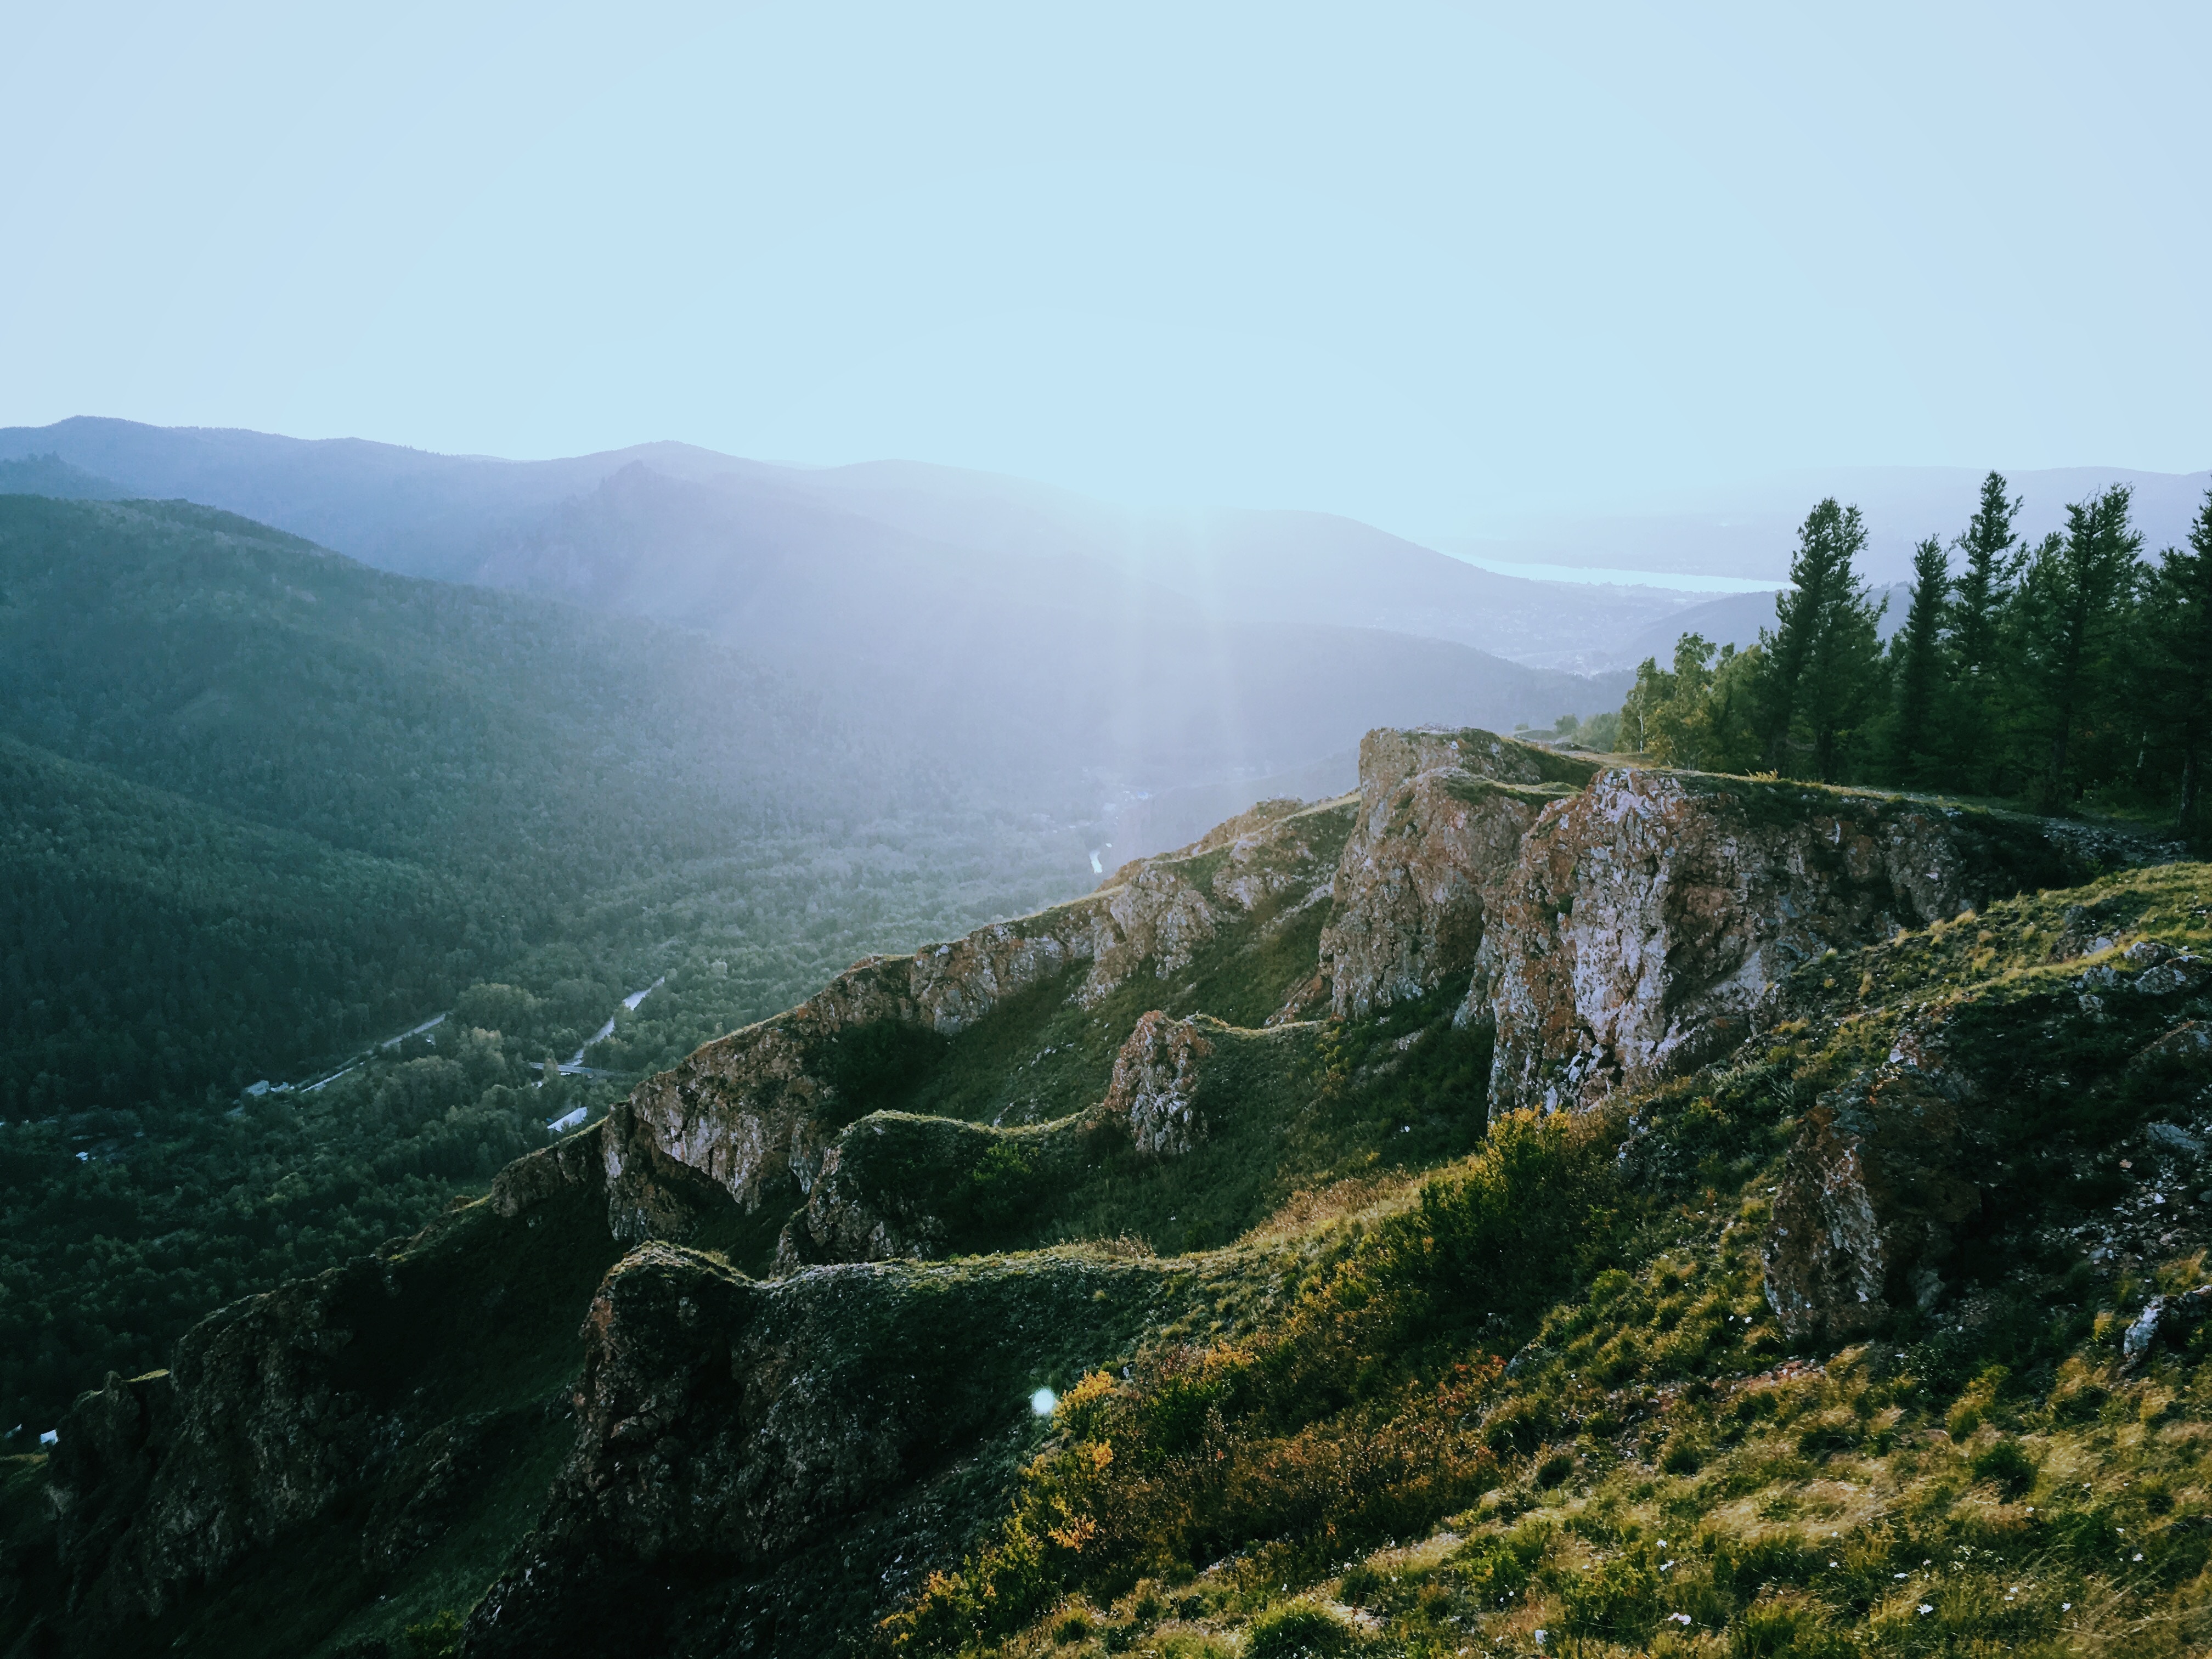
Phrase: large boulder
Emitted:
{"points": [[1871, 1201], [1441, 819], [1155, 1085], [1654, 918]]}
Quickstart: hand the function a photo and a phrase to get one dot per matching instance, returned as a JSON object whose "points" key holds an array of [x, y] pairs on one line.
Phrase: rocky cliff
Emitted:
{"points": [[725, 1426], [1653, 918], [1442, 815], [758, 1111], [395, 1392]]}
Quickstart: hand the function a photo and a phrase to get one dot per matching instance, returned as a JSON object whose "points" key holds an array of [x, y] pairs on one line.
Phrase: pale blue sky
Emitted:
{"points": [[1426, 265]]}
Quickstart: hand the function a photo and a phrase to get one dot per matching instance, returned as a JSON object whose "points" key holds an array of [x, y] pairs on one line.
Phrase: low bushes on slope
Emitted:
{"points": [[1657, 1471], [1324, 1429]]}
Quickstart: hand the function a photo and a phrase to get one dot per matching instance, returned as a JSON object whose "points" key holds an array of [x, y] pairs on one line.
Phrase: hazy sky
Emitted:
{"points": [[1421, 263]]}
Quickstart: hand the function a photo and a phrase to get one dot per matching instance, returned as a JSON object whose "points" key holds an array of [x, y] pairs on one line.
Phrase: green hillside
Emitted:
{"points": [[261, 806], [157, 945], [1537, 1204]]}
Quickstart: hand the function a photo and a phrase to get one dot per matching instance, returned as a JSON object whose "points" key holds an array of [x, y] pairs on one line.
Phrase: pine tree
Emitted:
{"points": [[1823, 657], [1917, 656], [1987, 572], [2073, 599], [1989, 568], [2178, 620]]}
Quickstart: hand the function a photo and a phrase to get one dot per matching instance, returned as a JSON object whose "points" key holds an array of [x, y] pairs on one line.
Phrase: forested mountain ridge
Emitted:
{"points": [[49, 475], [1145, 1271], [466, 517], [516, 756], [266, 805]]}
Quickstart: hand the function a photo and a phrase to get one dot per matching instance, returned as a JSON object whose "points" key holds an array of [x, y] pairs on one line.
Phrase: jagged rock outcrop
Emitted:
{"points": [[1155, 1085], [1441, 819], [113, 1443], [260, 1423], [1887, 1175], [758, 1111], [572, 1165], [1653, 917], [724, 1423], [329, 1389], [1871, 1198]]}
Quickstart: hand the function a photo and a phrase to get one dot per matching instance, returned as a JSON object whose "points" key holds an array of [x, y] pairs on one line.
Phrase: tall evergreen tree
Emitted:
{"points": [[1823, 656], [2178, 621], [1989, 568], [2073, 596], [1918, 666]]}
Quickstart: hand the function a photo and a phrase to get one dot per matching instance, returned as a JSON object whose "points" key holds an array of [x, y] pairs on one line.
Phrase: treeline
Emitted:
{"points": [[2065, 672]]}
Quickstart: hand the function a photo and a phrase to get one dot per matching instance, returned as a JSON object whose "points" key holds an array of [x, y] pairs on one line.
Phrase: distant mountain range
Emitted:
{"points": [[1011, 626], [459, 518], [992, 623]]}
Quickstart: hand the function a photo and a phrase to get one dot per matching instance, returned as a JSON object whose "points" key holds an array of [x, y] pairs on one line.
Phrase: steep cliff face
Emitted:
{"points": [[385, 1389], [724, 1425], [1653, 917], [757, 1112], [263, 1417], [1441, 819]]}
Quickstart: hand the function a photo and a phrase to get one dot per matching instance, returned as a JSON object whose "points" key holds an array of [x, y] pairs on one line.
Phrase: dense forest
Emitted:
{"points": [[261, 808], [2069, 673]]}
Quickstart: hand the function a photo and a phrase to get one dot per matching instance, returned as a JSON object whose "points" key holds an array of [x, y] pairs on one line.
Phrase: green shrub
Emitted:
{"points": [[438, 1638], [1298, 1630], [1360, 1585], [2005, 1466], [1073, 1628], [1786, 1627]]}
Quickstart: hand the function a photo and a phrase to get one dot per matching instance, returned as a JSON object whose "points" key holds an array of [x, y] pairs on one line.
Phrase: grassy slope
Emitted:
{"points": [[1289, 1109], [1658, 1473]]}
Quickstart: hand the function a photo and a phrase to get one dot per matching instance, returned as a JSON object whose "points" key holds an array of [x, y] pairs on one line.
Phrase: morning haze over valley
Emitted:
{"points": [[1219, 833]]}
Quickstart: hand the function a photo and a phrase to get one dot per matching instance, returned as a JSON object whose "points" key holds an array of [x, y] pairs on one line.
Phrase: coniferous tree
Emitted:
{"points": [[1823, 657], [1917, 657], [1989, 569], [2179, 623], [2075, 591]]}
